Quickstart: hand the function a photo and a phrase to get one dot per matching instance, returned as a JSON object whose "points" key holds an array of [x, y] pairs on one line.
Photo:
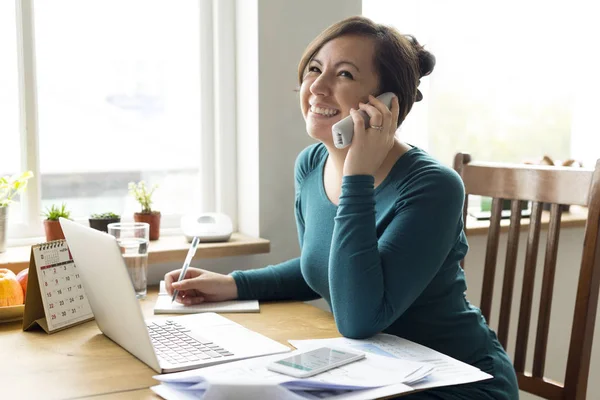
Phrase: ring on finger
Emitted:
{"points": [[378, 127]]}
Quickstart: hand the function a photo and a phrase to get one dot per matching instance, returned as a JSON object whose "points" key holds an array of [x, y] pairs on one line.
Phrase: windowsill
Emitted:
{"points": [[174, 248], [166, 249], [576, 217]]}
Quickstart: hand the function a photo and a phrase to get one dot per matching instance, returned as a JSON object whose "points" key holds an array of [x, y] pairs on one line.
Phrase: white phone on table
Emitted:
{"points": [[314, 362], [343, 131]]}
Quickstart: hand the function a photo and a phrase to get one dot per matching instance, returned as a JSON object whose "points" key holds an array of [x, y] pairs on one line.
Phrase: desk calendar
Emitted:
{"points": [[55, 295]]}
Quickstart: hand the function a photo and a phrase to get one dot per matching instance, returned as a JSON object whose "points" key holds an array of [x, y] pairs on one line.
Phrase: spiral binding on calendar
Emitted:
{"points": [[52, 245]]}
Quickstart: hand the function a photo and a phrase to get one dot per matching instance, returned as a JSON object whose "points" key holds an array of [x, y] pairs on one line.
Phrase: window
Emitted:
{"points": [[513, 81], [120, 97], [10, 157]]}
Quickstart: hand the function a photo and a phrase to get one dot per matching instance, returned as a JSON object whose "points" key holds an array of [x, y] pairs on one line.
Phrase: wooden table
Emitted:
{"points": [[80, 362]]}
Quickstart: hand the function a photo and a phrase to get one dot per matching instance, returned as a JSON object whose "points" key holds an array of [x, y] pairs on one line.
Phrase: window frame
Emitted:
{"points": [[217, 113], [419, 128]]}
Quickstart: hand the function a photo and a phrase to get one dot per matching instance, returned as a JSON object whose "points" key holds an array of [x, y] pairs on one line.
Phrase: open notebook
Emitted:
{"points": [[165, 306]]}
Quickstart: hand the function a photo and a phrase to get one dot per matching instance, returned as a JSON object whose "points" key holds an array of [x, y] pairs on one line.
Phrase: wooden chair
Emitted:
{"points": [[557, 186]]}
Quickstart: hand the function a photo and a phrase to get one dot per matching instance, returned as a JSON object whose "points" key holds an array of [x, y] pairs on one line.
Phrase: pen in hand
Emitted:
{"points": [[186, 264]]}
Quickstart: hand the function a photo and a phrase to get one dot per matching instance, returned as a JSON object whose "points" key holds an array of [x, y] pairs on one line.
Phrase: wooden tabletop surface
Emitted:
{"points": [[80, 362]]}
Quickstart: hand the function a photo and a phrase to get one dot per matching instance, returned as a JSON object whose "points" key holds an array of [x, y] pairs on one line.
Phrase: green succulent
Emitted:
{"points": [[53, 213], [106, 215]]}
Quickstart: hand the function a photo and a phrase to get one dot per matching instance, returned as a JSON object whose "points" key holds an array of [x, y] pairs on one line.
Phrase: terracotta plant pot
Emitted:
{"points": [[153, 219], [102, 224], [53, 230]]}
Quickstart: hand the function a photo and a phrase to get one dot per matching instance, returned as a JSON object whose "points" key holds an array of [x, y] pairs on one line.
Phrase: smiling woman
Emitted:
{"points": [[380, 221], [343, 67], [377, 56]]}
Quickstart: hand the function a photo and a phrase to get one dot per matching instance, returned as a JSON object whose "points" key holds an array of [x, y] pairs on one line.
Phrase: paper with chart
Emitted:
{"points": [[164, 305], [384, 374], [448, 371]]}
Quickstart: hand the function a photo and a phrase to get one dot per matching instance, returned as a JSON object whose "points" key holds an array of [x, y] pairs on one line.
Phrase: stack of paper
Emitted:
{"points": [[393, 366], [448, 371], [372, 377]]}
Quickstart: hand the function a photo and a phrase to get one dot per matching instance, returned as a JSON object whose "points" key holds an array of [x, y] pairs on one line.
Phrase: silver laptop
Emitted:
{"points": [[165, 345]]}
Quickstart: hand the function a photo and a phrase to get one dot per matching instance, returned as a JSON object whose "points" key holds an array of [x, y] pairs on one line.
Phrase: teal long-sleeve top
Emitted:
{"points": [[385, 259]]}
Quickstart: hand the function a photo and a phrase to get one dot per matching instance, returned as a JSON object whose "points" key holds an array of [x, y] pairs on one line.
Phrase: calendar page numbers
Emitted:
{"points": [[64, 300]]}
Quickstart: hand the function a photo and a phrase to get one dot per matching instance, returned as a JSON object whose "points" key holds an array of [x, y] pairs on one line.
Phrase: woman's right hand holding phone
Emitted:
{"points": [[199, 286]]}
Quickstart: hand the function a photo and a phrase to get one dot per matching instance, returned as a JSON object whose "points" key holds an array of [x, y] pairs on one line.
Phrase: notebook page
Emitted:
{"points": [[165, 306]]}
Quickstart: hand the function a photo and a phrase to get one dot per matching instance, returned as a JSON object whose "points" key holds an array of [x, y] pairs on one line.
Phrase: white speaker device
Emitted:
{"points": [[344, 130], [208, 227]]}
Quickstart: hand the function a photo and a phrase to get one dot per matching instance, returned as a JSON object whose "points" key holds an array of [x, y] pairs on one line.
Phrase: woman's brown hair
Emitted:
{"points": [[400, 60]]}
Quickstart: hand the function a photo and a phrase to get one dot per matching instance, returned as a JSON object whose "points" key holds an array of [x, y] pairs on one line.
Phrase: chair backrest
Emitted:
{"points": [[556, 186]]}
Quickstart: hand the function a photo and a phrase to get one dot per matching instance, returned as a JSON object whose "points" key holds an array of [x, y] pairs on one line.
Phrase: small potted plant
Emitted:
{"points": [[143, 195], [9, 188], [51, 223], [101, 221]]}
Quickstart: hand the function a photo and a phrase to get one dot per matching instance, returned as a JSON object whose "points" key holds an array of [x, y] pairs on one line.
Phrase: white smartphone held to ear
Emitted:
{"points": [[314, 362], [343, 131]]}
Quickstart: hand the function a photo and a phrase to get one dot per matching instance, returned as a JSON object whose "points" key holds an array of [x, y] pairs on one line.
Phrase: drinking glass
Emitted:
{"points": [[133, 239]]}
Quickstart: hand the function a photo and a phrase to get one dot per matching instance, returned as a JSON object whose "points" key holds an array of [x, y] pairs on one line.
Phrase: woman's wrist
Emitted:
{"points": [[233, 289]]}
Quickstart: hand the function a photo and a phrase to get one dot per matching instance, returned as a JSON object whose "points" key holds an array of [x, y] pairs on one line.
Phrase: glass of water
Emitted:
{"points": [[132, 238]]}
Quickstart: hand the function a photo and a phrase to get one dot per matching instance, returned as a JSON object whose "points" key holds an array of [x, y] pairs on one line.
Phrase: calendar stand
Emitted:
{"points": [[55, 296]]}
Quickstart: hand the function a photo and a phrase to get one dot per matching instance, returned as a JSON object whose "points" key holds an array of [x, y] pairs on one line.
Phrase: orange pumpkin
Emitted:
{"points": [[11, 293]]}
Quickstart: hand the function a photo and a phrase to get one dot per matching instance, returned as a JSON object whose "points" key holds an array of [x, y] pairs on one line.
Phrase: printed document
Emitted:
{"points": [[448, 371], [371, 377]]}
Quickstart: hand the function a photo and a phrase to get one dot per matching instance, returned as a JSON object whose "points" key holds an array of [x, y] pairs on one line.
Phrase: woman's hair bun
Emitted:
{"points": [[426, 59], [426, 62]]}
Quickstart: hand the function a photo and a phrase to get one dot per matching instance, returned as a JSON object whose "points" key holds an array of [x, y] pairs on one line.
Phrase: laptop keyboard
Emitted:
{"points": [[178, 345]]}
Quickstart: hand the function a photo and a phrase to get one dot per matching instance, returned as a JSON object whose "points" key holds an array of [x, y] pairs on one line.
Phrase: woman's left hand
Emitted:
{"points": [[371, 146]]}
